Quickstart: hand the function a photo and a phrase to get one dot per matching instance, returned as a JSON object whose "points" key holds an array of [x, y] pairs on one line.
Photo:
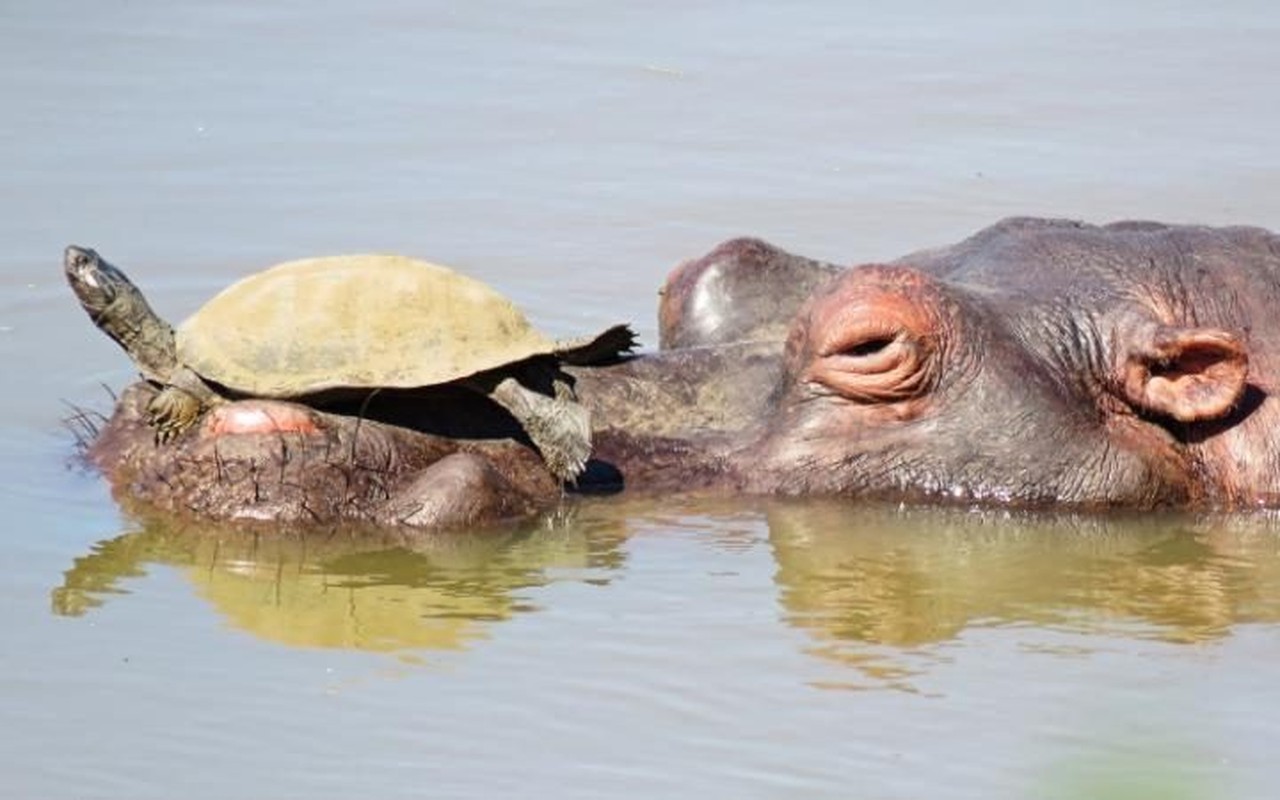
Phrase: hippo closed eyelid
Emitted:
{"points": [[856, 332], [874, 337], [869, 347], [879, 370]]}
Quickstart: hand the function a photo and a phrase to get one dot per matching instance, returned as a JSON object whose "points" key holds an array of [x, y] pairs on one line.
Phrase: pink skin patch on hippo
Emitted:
{"points": [[259, 416]]}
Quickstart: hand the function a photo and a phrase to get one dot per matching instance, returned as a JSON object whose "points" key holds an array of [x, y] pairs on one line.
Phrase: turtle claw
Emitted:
{"points": [[171, 412], [166, 432], [565, 458], [166, 427]]}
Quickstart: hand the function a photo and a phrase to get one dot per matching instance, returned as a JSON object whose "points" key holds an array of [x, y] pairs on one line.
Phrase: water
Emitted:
{"points": [[570, 153]]}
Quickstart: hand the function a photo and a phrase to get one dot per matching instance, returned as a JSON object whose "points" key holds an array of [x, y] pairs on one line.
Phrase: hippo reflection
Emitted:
{"points": [[879, 589], [1037, 363]]}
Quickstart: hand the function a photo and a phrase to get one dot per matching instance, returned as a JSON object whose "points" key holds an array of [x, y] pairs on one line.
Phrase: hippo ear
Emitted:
{"points": [[1186, 374]]}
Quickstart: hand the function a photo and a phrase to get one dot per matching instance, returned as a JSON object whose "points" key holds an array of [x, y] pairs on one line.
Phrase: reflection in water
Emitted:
{"points": [[879, 588], [887, 591], [346, 590]]}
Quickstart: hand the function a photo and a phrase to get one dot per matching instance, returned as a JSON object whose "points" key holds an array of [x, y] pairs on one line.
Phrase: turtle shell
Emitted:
{"points": [[357, 321]]}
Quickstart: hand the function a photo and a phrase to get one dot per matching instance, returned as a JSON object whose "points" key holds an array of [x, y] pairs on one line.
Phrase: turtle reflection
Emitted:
{"points": [[345, 591], [876, 587]]}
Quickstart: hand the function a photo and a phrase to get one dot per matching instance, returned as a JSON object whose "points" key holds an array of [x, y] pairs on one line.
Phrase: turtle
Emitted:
{"points": [[316, 326]]}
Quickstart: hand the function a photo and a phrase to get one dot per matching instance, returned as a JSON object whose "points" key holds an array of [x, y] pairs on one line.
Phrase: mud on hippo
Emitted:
{"points": [[1036, 363]]}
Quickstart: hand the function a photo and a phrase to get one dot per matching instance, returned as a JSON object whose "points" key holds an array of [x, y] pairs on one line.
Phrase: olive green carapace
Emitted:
{"points": [[361, 321]]}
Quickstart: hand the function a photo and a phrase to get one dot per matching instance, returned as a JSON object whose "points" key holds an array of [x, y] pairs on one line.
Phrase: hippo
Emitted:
{"points": [[1038, 363]]}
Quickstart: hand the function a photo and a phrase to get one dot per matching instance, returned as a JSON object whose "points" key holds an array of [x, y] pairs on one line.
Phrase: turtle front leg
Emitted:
{"points": [[179, 404], [171, 412], [558, 426]]}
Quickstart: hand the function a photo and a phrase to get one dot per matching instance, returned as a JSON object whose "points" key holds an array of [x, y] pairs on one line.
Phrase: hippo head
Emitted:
{"points": [[902, 384]]}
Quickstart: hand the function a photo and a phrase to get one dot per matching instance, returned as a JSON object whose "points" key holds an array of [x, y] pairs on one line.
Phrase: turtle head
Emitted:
{"points": [[95, 282], [118, 308]]}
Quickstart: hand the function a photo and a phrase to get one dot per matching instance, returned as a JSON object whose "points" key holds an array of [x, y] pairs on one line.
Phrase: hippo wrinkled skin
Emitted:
{"points": [[1036, 363]]}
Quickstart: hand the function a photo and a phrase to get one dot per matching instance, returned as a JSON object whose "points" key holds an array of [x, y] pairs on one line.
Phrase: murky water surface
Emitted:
{"points": [[570, 153]]}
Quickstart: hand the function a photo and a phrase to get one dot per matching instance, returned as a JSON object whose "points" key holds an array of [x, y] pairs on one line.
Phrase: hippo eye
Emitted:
{"points": [[878, 367], [869, 347], [873, 336]]}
